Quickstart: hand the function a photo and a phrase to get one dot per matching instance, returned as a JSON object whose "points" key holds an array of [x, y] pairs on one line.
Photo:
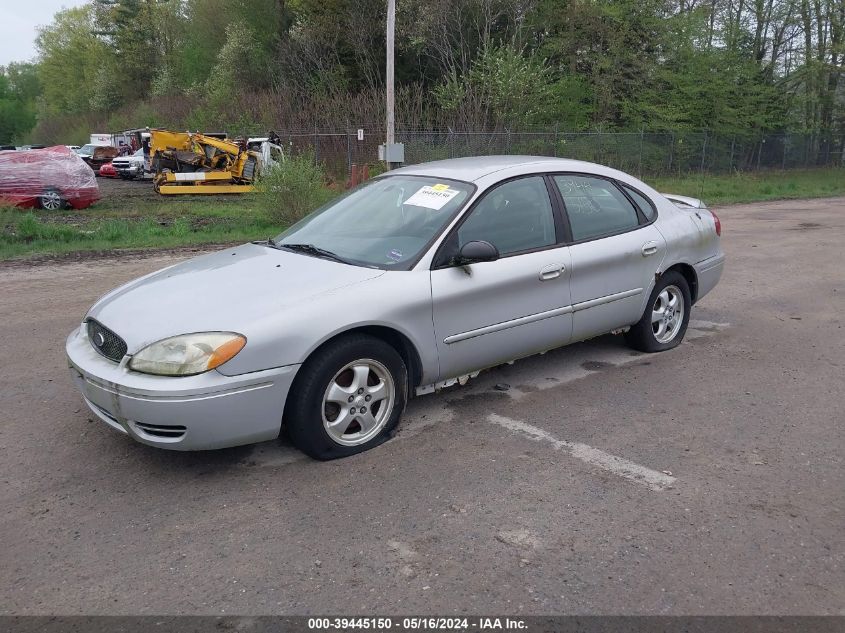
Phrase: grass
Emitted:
{"points": [[152, 222], [755, 187], [222, 206], [34, 233]]}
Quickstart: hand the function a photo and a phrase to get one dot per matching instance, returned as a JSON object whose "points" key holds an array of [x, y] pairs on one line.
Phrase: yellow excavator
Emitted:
{"points": [[194, 163]]}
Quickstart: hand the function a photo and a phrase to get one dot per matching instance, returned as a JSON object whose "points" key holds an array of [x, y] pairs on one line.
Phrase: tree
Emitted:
{"points": [[732, 67], [19, 90], [205, 33], [71, 57], [505, 88]]}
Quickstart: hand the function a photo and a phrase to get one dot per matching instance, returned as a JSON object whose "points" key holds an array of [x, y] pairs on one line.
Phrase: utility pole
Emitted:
{"points": [[390, 152], [391, 98]]}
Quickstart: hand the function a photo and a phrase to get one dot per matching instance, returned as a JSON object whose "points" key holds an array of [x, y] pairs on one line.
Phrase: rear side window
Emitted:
{"points": [[595, 207], [641, 201], [516, 216]]}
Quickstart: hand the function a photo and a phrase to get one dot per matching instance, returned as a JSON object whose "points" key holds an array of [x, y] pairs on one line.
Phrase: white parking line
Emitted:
{"points": [[620, 466]]}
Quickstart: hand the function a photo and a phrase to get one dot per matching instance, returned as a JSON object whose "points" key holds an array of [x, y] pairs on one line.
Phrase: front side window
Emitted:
{"points": [[384, 223], [595, 207], [516, 216]]}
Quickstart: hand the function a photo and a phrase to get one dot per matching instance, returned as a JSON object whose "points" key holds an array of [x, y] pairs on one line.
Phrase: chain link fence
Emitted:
{"points": [[641, 153]]}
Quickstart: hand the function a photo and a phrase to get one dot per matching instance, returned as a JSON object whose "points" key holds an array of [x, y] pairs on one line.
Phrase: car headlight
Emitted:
{"points": [[188, 354]]}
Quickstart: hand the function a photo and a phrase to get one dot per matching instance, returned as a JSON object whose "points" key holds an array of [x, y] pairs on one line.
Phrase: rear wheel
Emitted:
{"points": [[666, 316], [347, 398], [51, 200]]}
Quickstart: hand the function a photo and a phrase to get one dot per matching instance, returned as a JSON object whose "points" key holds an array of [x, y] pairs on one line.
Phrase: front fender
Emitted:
{"points": [[399, 300]]}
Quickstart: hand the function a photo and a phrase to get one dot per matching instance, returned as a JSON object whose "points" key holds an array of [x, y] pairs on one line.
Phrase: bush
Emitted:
{"points": [[293, 189]]}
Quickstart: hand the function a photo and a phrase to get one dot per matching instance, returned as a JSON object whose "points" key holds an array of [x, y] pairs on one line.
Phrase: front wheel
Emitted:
{"points": [[666, 316], [347, 398]]}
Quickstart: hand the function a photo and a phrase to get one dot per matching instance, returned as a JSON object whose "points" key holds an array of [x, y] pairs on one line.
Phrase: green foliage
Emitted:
{"points": [[31, 229], [613, 46], [732, 69], [235, 65], [141, 38], [205, 32], [716, 89], [19, 90], [293, 189], [71, 61], [514, 89]]}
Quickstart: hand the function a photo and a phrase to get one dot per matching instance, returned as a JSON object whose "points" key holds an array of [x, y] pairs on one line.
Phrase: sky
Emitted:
{"points": [[19, 20]]}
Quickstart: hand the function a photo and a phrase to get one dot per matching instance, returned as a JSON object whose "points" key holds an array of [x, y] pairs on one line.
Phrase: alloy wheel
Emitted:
{"points": [[667, 314], [358, 401], [51, 200]]}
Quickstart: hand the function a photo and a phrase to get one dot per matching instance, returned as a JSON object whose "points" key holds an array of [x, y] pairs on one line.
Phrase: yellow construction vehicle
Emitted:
{"points": [[186, 163]]}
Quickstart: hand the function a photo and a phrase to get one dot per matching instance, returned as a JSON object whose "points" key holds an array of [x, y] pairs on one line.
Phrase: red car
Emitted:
{"points": [[108, 171], [52, 178]]}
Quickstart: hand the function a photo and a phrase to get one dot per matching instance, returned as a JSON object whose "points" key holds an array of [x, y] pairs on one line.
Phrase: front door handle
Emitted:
{"points": [[649, 248], [552, 271]]}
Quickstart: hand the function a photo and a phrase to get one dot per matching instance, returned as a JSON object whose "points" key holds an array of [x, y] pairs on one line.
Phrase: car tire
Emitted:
{"points": [[346, 398], [661, 327], [51, 200]]}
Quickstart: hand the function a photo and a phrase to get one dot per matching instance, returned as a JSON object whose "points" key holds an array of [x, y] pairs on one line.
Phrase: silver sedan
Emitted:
{"points": [[408, 283]]}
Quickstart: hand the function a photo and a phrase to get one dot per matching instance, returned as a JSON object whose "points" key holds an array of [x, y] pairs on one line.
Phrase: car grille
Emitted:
{"points": [[105, 341]]}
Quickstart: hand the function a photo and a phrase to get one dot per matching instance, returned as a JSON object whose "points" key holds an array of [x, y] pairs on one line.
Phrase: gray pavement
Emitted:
{"points": [[705, 480]]}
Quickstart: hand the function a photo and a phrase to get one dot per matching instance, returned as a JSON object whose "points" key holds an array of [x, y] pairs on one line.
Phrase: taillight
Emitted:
{"points": [[718, 224]]}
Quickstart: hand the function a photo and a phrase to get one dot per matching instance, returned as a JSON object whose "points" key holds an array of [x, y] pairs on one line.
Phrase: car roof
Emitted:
{"points": [[474, 168]]}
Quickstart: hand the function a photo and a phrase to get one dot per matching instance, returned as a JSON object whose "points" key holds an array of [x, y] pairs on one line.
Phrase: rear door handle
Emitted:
{"points": [[649, 248], [552, 271]]}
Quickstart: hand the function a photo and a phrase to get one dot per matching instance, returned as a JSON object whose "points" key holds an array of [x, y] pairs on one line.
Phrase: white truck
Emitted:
{"points": [[132, 166]]}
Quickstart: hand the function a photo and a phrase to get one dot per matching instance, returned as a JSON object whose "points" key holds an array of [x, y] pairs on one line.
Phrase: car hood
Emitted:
{"points": [[230, 290]]}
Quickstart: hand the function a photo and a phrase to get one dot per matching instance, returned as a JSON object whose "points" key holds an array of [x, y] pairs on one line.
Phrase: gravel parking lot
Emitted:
{"points": [[706, 480]]}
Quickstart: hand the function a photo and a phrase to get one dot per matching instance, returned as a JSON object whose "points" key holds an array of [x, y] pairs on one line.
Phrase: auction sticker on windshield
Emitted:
{"points": [[432, 197]]}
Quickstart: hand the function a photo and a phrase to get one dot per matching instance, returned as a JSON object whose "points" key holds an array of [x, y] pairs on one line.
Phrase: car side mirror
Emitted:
{"points": [[477, 251]]}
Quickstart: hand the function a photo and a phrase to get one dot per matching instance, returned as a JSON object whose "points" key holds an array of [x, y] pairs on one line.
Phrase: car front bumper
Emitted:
{"points": [[128, 170], [206, 411]]}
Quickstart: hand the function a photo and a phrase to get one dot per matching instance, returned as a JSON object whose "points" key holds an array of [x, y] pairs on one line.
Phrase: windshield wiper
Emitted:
{"points": [[316, 251], [268, 242]]}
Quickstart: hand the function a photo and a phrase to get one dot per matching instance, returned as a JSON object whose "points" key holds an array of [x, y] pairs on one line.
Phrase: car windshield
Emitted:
{"points": [[86, 149], [385, 223]]}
